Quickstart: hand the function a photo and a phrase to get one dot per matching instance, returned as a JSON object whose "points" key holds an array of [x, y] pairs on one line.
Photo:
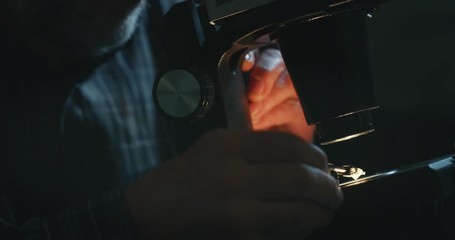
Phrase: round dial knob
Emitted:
{"points": [[181, 94]]}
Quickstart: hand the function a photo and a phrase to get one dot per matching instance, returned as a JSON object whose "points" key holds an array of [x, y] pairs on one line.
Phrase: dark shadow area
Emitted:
{"points": [[413, 60]]}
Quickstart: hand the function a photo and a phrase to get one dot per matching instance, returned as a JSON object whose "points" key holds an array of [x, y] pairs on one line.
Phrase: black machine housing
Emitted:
{"points": [[324, 46]]}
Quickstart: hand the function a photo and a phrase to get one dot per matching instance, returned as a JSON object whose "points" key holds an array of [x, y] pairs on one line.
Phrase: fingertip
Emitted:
{"points": [[247, 66], [248, 62]]}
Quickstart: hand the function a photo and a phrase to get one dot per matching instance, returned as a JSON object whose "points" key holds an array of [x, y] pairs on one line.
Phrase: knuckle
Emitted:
{"points": [[305, 176], [320, 158], [321, 155]]}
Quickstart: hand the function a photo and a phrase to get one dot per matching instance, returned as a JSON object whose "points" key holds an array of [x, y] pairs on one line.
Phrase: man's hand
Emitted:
{"points": [[274, 104], [237, 185]]}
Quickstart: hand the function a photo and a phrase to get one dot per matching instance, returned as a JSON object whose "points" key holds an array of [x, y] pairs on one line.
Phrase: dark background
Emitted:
{"points": [[412, 48]]}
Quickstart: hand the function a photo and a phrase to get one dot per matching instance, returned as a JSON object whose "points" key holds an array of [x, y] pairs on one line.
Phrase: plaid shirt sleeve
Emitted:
{"points": [[110, 139]]}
